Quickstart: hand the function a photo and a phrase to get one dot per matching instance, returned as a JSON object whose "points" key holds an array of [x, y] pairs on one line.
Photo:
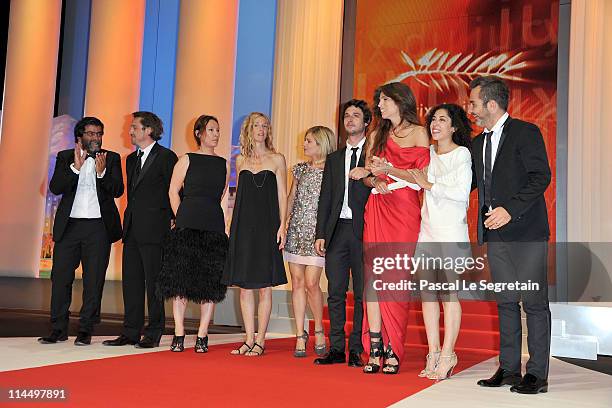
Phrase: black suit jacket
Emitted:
{"points": [[64, 182], [148, 212], [520, 176], [332, 196]]}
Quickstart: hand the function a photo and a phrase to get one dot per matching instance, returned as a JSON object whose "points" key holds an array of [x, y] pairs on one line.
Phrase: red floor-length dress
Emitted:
{"points": [[393, 218]]}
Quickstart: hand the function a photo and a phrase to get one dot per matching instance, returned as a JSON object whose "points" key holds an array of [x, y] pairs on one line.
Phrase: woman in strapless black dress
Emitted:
{"points": [[257, 233], [195, 250]]}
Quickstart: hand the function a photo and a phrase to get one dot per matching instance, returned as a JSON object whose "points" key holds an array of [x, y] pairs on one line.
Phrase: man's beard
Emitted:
{"points": [[355, 132], [92, 147]]}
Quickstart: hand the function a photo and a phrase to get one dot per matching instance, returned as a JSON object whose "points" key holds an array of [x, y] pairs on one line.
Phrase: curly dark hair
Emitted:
{"points": [[459, 120], [79, 128], [150, 120], [406, 102], [360, 104], [200, 126]]}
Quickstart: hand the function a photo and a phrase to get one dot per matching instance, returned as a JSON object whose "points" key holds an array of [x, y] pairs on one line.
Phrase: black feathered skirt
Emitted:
{"points": [[192, 265]]}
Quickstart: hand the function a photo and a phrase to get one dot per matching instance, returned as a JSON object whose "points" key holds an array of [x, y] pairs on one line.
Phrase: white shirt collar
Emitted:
{"points": [[499, 124], [359, 145], [147, 149]]}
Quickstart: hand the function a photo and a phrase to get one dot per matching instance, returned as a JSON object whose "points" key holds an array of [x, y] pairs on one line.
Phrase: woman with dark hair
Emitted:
{"points": [[397, 144], [195, 250], [444, 230]]}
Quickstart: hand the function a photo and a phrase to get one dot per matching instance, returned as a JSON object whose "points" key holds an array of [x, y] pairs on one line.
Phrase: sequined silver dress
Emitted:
{"points": [[299, 247]]}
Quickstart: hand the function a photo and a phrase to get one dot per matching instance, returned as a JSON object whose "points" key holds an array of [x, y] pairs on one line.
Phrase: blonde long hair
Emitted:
{"points": [[247, 144]]}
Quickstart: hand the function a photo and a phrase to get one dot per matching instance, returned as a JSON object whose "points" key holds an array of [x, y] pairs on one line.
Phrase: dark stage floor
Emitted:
{"points": [[22, 323]]}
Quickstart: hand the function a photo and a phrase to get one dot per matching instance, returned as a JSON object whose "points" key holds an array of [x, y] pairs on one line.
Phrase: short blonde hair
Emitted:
{"points": [[325, 139], [247, 144]]}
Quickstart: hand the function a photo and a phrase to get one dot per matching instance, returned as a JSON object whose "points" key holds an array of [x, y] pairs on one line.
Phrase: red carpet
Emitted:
{"points": [[479, 325], [219, 379]]}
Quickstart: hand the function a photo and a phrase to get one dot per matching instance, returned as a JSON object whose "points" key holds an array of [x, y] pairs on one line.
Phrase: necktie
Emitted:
{"points": [[351, 167], [487, 168], [138, 167], [353, 158]]}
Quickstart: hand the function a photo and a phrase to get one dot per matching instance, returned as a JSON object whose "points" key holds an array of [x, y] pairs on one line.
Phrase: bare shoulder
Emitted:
{"points": [[421, 138], [279, 160], [239, 161], [182, 161]]}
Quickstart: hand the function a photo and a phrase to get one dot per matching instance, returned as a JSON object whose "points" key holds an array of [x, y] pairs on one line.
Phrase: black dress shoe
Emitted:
{"points": [[530, 384], [54, 337], [147, 342], [501, 377], [82, 339], [333, 357], [355, 360], [119, 341]]}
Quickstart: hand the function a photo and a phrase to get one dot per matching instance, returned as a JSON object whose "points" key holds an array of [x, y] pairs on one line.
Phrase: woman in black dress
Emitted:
{"points": [[257, 233], [195, 250]]}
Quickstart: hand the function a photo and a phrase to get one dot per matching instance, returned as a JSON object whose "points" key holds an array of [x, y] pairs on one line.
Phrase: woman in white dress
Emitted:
{"points": [[444, 230]]}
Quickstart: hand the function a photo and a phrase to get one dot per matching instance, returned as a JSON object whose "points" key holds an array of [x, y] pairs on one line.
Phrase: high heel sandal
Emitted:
{"points": [[390, 368], [239, 352], [177, 343], [453, 363], [301, 352], [320, 349], [256, 353], [376, 351], [201, 345], [431, 357]]}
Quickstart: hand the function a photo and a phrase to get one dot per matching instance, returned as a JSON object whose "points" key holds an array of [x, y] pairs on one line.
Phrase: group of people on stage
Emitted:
{"points": [[340, 201]]}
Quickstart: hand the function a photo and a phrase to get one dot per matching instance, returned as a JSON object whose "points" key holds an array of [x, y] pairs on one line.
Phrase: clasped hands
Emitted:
{"points": [[80, 156], [375, 167]]}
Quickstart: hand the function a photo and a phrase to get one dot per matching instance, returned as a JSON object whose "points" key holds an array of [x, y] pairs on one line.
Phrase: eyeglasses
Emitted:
{"points": [[91, 134]]}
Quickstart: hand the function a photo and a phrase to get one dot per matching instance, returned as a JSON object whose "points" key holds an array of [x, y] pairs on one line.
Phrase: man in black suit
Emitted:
{"points": [[511, 172], [339, 232], [146, 220], [86, 223]]}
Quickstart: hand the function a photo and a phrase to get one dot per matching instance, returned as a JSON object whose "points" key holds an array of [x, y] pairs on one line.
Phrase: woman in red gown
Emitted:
{"points": [[398, 142]]}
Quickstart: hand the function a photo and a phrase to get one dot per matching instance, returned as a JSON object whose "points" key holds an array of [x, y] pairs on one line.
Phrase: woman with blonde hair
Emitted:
{"points": [[305, 264], [257, 232]]}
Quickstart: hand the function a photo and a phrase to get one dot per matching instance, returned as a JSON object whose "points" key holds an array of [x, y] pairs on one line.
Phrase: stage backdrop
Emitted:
{"points": [[438, 47]]}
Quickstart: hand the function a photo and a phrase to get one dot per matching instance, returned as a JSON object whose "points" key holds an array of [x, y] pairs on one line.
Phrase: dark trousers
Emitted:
{"points": [[522, 261], [344, 257], [84, 241], [141, 266]]}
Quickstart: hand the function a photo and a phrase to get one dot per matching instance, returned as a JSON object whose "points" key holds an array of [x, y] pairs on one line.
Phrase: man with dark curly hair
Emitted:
{"points": [[86, 223]]}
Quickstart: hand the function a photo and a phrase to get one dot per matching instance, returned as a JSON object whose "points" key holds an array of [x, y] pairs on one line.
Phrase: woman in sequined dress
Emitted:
{"points": [[305, 264]]}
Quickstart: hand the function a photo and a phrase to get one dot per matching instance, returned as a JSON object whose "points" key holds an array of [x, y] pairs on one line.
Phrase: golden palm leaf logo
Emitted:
{"points": [[445, 70]]}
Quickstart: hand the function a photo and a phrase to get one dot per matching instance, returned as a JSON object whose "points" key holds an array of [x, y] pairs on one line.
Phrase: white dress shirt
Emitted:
{"points": [[495, 138], [346, 212], [145, 153], [86, 203]]}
